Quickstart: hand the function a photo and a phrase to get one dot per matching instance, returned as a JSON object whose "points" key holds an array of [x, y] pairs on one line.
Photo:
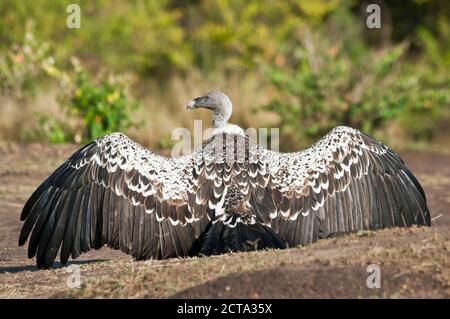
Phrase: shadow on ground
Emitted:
{"points": [[56, 265], [319, 282]]}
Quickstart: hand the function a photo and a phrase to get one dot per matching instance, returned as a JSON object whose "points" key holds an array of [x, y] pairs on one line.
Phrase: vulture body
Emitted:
{"points": [[229, 195]]}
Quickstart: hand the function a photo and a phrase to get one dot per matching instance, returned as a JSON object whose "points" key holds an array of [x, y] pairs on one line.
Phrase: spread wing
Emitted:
{"points": [[345, 182], [115, 192]]}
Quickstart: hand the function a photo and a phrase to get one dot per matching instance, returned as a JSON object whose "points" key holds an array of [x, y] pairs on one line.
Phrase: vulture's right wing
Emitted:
{"points": [[345, 182], [115, 192]]}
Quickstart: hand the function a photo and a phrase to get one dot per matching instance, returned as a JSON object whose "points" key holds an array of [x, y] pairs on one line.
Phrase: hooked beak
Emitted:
{"points": [[201, 101], [191, 105]]}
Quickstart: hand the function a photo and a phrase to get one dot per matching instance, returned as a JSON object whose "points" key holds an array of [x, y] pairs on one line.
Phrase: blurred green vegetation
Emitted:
{"points": [[344, 81], [104, 107], [24, 64], [93, 109], [316, 62]]}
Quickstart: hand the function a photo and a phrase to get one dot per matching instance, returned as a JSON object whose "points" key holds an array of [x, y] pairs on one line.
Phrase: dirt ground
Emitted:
{"points": [[413, 262]]}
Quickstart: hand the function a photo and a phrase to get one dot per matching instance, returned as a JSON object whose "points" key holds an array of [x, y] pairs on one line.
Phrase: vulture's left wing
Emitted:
{"points": [[115, 192], [345, 182]]}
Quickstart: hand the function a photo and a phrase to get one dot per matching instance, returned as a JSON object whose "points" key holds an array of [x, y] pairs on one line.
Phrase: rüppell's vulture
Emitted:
{"points": [[230, 194]]}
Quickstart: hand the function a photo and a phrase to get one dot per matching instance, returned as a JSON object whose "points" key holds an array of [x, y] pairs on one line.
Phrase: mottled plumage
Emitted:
{"points": [[229, 195]]}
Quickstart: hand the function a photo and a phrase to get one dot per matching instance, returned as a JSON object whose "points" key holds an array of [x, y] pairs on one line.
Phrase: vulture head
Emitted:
{"points": [[217, 102]]}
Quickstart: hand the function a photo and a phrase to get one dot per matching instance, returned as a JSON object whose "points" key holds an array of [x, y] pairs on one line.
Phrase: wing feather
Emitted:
{"points": [[348, 182], [114, 192]]}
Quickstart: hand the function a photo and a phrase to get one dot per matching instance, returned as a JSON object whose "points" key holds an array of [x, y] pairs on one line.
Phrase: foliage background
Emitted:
{"points": [[303, 66]]}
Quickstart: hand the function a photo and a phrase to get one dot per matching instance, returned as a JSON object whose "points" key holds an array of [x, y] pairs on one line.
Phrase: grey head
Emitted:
{"points": [[217, 102]]}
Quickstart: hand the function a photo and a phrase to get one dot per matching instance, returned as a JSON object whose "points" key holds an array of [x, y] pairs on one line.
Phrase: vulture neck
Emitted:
{"points": [[220, 118]]}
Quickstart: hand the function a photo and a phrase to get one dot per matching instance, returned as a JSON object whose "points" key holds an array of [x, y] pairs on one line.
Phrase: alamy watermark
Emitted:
{"points": [[374, 279], [73, 20], [231, 147], [73, 281], [373, 20]]}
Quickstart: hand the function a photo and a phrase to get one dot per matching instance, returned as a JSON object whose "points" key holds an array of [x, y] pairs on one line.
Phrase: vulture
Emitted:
{"points": [[229, 195]]}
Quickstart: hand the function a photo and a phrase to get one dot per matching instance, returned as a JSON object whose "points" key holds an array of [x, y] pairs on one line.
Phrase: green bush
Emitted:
{"points": [[329, 81], [91, 108], [102, 108]]}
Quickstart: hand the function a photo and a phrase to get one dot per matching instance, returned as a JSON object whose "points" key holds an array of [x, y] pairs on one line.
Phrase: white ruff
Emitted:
{"points": [[229, 129]]}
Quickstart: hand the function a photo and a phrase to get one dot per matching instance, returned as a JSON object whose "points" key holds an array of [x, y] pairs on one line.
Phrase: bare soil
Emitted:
{"points": [[414, 263]]}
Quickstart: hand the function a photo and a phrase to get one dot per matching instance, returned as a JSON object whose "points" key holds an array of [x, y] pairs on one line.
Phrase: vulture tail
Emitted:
{"points": [[232, 234]]}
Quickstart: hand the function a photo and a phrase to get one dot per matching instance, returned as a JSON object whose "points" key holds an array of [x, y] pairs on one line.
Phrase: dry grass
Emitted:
{"points": [[422, 254]]}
